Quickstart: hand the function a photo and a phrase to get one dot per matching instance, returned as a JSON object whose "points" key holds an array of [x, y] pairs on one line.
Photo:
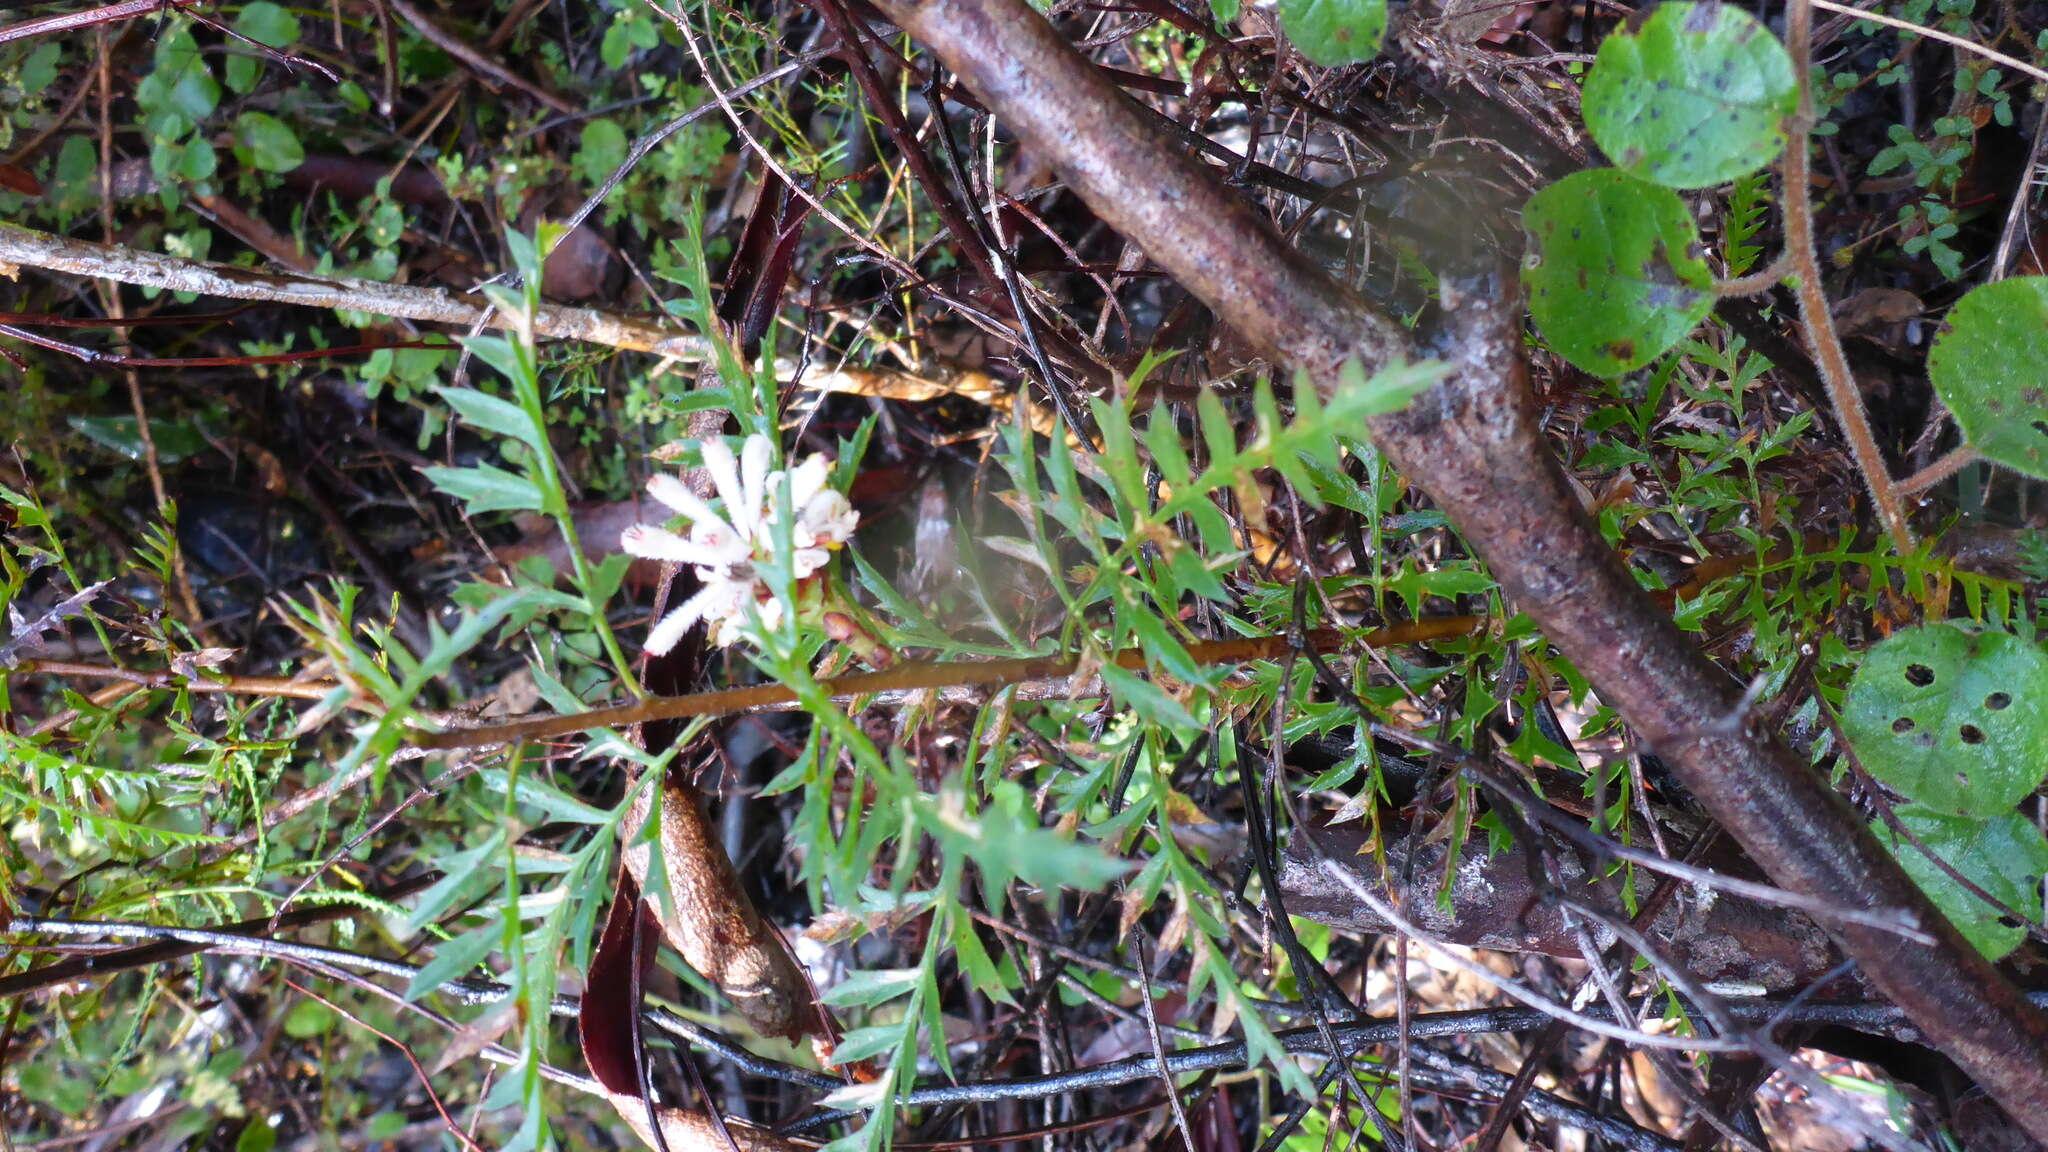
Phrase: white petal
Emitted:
{"points": [[719, 462], [651, 543], [672, 628], [754, 480], [671, 490], [721, 543], [829, 519], [771, 613], [807, 479], [808, 560]]}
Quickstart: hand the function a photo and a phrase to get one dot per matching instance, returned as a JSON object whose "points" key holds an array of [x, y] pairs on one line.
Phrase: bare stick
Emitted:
{"points": [[28, 248]]}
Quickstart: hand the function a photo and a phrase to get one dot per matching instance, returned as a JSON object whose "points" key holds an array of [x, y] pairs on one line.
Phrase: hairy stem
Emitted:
{"points": [[1814, 315]]}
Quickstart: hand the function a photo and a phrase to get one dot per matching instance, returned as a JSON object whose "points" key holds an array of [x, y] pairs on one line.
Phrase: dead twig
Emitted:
{"points": [[28, 248]]}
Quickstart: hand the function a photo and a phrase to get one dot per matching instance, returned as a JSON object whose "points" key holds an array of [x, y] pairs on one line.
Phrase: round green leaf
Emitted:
{"points": [[1333, 32], [2005, 855], [1612, 276], [267, 23], [307, 1019], [1696, 96], [604, 146], [271, 144], [1991, 369], [1953, 719]]}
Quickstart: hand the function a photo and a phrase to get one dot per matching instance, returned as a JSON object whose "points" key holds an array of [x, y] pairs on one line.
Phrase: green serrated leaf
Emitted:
{"points": [[1991, 369], [1334, 32], [602, 147], [1612, 278], [867, 989], [1697, 96], [1952, 718], [1145, 698], [454, 958]]}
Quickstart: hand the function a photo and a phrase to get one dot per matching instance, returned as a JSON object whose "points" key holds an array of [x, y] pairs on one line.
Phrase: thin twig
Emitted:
{"points": [[1966, 45], [477, 62], [28, 248], [1354, 1035], [165, 679]]}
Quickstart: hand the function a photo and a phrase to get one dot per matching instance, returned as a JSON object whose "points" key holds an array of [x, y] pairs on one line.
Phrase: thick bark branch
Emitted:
{"points": [[1475, 445]]}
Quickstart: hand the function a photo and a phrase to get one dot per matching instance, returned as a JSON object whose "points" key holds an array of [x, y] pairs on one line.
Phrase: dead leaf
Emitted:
{"points": [[188, 664], [1874, 308], [684, 1130], [607, 1023], [709, 919]]}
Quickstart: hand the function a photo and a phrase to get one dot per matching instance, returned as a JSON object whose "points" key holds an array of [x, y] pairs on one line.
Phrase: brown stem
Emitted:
{"points": [[928, 675], [1762, 280], [245, 685], [913, 677], [1955, 461], [894, 682], [1474, 443], [1814, 316]]}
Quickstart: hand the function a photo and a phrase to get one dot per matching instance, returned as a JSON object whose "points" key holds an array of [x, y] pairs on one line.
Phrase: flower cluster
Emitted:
{"points": [[725, 549]]}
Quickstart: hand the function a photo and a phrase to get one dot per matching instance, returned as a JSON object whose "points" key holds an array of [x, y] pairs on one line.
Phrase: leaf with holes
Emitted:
{"points": [[1991, 369], [2004, 855], [1612, 276], [1334, 32], [1951, 718], [1695, 97]]}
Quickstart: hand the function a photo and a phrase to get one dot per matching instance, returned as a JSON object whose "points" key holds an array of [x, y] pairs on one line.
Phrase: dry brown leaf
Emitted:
{"points": [[1875, 307], [709, 919]]}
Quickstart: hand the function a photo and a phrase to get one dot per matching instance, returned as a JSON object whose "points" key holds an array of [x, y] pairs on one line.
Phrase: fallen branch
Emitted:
{"points": [[1474, 442], [28, 248]]}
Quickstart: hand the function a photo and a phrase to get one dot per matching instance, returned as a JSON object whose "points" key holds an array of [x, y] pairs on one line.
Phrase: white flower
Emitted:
{"points": [[724, 548]]}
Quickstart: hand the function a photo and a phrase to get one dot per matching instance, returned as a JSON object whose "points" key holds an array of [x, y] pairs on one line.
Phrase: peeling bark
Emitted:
{"points": [[1474, 443]]}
